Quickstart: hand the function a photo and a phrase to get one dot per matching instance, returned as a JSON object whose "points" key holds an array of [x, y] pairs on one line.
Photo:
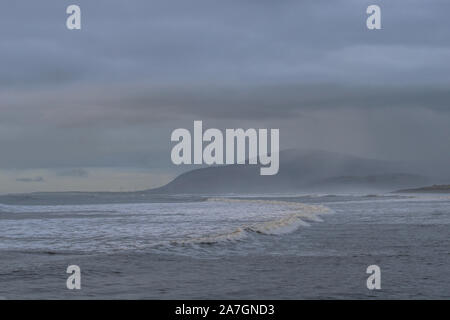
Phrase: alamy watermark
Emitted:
{"points": [[74, 280], [73, 21], [236, 144], [374, 280]]}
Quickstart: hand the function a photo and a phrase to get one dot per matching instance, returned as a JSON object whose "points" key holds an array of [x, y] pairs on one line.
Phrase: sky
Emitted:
{"points": [[93, 109]]}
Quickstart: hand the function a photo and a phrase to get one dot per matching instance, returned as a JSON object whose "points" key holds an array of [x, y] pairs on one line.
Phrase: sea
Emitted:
{"points": [[294, 246]]}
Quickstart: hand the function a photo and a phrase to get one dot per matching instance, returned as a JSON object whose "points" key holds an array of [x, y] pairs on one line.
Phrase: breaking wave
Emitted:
{"points": [[90, 228], [293, 217]]}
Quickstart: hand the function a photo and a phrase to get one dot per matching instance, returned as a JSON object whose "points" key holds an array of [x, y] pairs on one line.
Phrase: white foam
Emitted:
{"points": [[289, 222], [111, 227]]}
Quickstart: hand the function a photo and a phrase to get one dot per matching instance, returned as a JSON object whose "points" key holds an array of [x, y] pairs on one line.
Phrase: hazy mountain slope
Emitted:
{"points": [[299, 170]]}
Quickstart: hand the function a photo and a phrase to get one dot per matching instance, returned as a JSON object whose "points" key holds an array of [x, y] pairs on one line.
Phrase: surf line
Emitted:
{"points": [[235, 140]]}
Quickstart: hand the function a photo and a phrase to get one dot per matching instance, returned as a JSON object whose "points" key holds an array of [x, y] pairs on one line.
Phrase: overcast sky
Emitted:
{"points": [[93, 109]]}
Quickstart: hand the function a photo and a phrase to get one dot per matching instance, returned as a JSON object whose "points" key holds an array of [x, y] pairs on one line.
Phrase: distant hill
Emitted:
{"points": [[299, 171], [443, 188]]}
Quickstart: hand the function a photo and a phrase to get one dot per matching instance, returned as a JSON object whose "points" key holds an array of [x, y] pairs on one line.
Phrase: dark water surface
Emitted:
{"points": [[407, 237]]}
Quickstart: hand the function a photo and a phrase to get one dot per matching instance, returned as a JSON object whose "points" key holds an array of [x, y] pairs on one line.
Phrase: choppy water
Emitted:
{"points": [[107, 228], [307, 246]]}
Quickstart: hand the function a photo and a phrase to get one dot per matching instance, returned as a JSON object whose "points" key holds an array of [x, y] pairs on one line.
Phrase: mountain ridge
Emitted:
{"points": [[299, 171]]}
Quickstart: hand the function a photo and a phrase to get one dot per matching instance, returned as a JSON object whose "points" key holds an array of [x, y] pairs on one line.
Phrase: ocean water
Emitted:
{"points": [[286, 247]]}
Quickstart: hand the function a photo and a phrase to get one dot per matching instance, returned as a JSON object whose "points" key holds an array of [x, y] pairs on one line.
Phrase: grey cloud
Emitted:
{"points": [[36, 179], [110, 94], [119, 107], [224, 42]]}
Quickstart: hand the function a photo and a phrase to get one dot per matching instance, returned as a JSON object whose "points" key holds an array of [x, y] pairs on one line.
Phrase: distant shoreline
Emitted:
{"points": [[444, 188]]}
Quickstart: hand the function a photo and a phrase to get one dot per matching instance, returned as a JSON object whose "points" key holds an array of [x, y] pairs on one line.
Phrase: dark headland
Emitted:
{"points": [[300, 171], [436, 188]]}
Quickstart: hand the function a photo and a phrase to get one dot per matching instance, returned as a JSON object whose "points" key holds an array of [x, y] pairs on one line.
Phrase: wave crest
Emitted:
{"points": [[289, 222]]}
